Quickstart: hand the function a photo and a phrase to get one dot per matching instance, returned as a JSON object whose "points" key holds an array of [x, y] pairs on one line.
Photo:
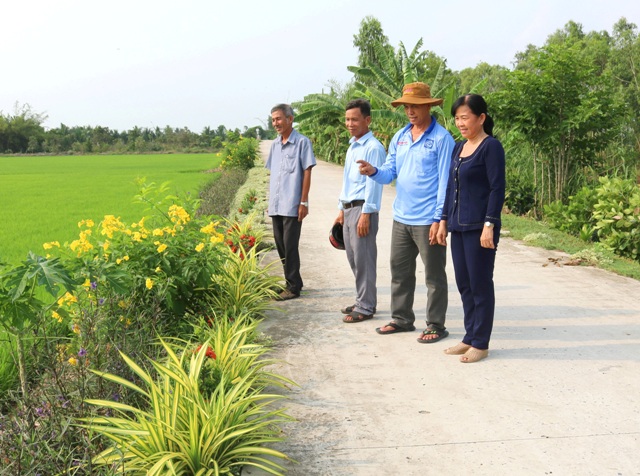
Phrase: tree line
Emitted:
{"points": [[23, 133], [566, 112]]}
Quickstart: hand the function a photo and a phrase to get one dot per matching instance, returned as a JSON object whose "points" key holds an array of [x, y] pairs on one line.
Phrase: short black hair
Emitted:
{"points": [[362, 104]]}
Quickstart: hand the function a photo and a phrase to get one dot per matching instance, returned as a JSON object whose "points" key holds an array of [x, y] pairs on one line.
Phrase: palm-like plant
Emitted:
{"points": [[321, 118], [184, 431]]}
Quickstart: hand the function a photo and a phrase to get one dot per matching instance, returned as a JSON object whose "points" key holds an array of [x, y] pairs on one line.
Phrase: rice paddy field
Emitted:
{"points": [[43, 198]]}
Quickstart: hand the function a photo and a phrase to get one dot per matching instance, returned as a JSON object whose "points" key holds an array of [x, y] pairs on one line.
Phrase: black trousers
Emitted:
{"points": [[286, 232], [473, 266]]}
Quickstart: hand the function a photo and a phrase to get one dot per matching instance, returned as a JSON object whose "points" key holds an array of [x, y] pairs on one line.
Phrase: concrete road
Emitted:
{"points": [[558, 395]]}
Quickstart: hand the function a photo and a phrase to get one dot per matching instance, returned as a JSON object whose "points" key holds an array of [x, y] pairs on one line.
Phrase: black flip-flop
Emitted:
{"points": [[440, 335], [395, 329]]}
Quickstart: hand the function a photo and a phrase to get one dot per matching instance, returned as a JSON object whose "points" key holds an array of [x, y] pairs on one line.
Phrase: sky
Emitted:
{"points": [[197, 63]]}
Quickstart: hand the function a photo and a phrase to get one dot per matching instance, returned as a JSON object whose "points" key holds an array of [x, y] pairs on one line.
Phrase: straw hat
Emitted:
{"points": [[417, 93]]}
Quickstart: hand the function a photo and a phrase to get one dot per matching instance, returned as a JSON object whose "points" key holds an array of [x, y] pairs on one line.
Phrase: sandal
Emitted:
{"points": [[474, 355], [349, 310], [394, 329], [356, 317], [457, 349], [430, 331]]}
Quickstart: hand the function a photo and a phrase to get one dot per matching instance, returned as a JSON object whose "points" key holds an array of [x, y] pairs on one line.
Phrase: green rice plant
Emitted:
{"points": [[183, 431], [50, 195]]}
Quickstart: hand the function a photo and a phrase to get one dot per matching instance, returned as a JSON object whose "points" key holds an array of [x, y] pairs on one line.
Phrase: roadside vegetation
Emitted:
{"points": [[134, 347], [566, 114]]}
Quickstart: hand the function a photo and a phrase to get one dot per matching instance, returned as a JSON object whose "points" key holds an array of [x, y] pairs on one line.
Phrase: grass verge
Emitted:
{"points": [[540, 234]]}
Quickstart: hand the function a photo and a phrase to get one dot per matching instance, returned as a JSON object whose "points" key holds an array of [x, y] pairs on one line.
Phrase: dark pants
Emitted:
{"points": [[286, 233], [473, 267], [407, 242]]}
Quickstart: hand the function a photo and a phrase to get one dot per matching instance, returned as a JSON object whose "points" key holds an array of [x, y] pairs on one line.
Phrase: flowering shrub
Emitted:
{"points": [[113, 290], [248, 202], [241, 154], [242, 236]]}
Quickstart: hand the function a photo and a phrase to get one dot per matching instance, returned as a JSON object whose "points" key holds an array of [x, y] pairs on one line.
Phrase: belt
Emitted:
{"points": [[355, 203]]}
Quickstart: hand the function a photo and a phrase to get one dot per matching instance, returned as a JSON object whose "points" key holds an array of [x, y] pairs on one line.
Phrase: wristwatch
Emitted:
{"points": [[488, 224], [305, 204]]}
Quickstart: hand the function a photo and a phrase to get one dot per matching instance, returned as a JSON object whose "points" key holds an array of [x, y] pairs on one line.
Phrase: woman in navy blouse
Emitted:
{"points": [[474, 200]]}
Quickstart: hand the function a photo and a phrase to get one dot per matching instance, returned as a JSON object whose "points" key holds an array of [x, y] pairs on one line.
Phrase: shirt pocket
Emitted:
{"points": [[289, 162], [428, 163]]}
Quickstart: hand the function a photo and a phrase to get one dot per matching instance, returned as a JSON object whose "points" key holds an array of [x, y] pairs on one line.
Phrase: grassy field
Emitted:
{"points": [[43, 198]]}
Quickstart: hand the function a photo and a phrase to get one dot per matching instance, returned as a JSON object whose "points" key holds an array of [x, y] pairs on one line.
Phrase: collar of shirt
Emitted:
{"points": [[291, 139], [362, 139], [408, 127]]}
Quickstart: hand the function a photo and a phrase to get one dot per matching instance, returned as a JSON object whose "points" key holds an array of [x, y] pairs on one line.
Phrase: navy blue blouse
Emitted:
{"points": [[476, 187]]}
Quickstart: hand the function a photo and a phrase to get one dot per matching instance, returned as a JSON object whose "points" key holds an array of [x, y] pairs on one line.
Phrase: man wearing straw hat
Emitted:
{"points": [[418, 159]]}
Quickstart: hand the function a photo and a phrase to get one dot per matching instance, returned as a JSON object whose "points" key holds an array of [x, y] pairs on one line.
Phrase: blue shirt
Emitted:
{"points": [[287, 163], [356, 186], [421, 169]]}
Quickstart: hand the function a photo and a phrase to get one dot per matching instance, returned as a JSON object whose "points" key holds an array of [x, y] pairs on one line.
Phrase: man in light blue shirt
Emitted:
{"points": [[419, 158], [290, 161], [359, 205]]}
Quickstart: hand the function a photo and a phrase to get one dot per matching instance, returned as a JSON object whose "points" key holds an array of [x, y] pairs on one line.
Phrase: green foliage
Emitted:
{"points": [[321, 118], [617, 216], [21, 132], [218, 196], [9, 378], [240, 155], [243, 286], [609, 213], [520, 193], [576, 216], [181, 430], [248, 202], [233, 351]]}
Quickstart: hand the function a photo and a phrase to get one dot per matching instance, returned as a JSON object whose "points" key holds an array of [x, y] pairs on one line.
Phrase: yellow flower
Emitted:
{"points": [[122, 304], [51, 244], [178, 215], [73, 361], [149, 283], [199, 247], [68, 298], [56, 316], [137, 236], [217, 238], [106, 245], [76, 328], [126, 258], [162, 247], [111, 224], [158, 269], [87, 283], [88, 223], [119, 260], [158, 232], [210, 228]]}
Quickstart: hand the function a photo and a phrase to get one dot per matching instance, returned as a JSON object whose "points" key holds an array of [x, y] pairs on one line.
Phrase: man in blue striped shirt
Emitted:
{"points": [[359, 205], [418, 159]]}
